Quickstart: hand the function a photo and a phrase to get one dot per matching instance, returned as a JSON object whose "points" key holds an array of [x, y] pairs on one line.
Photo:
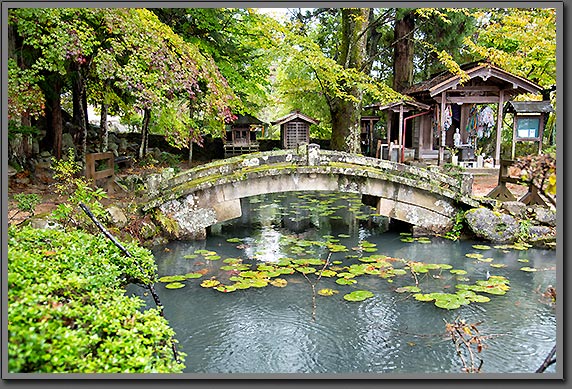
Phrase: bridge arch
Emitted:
{"points": [[201, 197]]}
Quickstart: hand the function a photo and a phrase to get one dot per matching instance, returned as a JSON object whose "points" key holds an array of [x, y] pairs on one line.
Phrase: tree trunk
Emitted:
{"points": [[103, 128], [79, 110], [403, 51], [345, 113], [56, 122], [145, 133]]}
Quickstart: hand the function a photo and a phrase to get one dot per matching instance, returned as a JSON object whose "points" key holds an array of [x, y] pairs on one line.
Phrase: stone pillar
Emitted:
{"points": [[313, 156]]}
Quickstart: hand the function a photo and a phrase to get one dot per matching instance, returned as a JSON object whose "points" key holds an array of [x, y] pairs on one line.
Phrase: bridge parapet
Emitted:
{"points": [[315, 160]]}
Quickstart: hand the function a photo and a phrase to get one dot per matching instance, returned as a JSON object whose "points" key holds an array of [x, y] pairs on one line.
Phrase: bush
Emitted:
{"points": [[68, 312]]}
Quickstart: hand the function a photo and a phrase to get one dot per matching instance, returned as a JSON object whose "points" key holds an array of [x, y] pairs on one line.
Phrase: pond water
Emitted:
{"points": [[255, 324]]}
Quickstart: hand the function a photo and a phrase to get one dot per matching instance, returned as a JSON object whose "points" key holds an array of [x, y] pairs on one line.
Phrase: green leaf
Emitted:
{"points": [[174, 285], [358, 295]]}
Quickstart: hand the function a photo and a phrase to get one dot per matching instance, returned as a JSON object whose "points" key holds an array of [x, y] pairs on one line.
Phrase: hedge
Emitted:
{"points": [[68, 311]]}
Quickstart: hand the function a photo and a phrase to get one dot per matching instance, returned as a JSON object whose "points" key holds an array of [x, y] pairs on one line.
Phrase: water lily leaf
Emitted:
{"points": [[404, 289], [369, 249], [327, 292], [498, 265], [210, 283], [474, 255], [258, 283], [405, 233], [265, 268], [358, 295], [523, 260], [448, 304], [203, 252], [528, 269], [365, 243], [306, 269], [249, 274], [337, 262], [486, 260], [458, 271], [423, 297], [445, 266], [481, 247], [212, 257], [345, 281], [285, 270], [399, 272], [190, 256], [408, 240], [172, 278], [480, 299], [279, 282], [232, 261], [329, 273], [344, 236], [234, 240], [175, 285], [226, 288], [193, 275], [346, 275]]}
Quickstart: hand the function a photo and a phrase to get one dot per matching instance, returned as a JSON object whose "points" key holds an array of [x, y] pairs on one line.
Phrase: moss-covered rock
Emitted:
{"points": [[492, 226]]}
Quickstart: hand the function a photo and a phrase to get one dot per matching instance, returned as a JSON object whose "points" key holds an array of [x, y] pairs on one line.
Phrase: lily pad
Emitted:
{"points": [[234, 240], [190, 256], [172, 278], [279, 282], [226, 288], [474, 255], [329, 273], [345, 281], [481, 247], [412, 289], [327, 292], [306, 269], [193, 275], [358, 295], [423, 297], [210, 283], [528, 269], [458, 271], [498, 265], [175, 285]]}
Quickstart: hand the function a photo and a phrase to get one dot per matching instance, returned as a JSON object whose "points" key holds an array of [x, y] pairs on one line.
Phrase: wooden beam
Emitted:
{"points": [[470, 99]]}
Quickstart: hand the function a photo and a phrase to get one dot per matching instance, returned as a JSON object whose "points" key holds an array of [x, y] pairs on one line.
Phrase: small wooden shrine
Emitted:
{"points": [[241, 136], [529, 120], [294, 129]]}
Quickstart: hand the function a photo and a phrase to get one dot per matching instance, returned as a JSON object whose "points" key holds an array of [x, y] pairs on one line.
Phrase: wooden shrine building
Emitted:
{"points": [[451, 99], [402, 143], [241, 136], [294, 129]]}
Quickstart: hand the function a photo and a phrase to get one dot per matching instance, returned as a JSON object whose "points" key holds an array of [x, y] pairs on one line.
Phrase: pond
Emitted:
{"points": [[317, 283]]}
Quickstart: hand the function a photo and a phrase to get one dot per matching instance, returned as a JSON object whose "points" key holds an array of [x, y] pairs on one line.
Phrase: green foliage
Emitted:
{"points": [[77, 190], [27, 202], [458, 223], [68, 311], [519, 40]]}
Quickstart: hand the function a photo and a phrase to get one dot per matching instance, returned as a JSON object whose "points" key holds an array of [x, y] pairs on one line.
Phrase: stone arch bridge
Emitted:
{"points": [[201, 197]]}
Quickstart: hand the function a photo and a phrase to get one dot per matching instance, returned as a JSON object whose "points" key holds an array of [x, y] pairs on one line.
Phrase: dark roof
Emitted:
{"points": [[529, 106], [246, 119], [447, 80], [295, 115]]}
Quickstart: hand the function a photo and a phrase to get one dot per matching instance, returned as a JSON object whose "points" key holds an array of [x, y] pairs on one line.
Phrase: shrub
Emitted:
{"points": [[68, 311]]}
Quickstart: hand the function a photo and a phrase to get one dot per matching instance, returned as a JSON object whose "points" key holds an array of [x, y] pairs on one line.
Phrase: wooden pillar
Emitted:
{"points": [[499, 128], [389, 119], [442, 129], [513, 146], [400, 134]]}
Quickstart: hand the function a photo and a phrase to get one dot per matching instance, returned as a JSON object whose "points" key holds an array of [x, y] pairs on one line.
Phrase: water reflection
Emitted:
{"points": [[270, 330]]}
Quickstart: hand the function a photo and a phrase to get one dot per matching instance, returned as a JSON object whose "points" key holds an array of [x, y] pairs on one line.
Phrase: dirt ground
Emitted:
{"points": [[483, 183]]}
